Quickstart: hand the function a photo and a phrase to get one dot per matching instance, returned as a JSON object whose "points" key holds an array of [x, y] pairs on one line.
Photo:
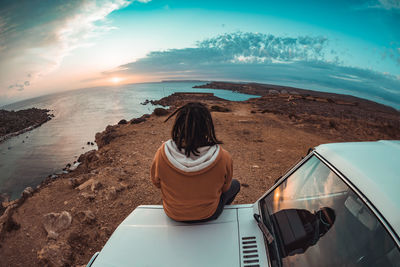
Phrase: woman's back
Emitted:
{"points": [[193, 172], [191, 188]]}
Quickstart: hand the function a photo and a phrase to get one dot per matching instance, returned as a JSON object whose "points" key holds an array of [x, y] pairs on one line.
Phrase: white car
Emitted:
{"points": [[339, 206]]}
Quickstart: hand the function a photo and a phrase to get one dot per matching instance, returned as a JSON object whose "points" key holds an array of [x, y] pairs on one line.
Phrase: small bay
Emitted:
{"points": [[27, 159]]}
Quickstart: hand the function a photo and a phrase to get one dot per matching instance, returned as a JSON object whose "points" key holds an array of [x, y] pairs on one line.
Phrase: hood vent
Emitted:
{"points": [[250, 252]]}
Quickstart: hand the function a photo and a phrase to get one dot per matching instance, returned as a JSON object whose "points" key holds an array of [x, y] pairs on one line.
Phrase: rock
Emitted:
{"points": [[86, 184], [86, 216], [4, 198], [88, 157], [146, 116], [74, 166], [121, 187], [2, 208], [160, 112], [145, 102], [55, 254], [111, 193], [52, 235], [96, 185], [79, 242], [273, 92], [54, 223], [105, 137], [91, 143], [88, 196], [27, 192], [73, 182], [7, 223], [122, 122], [245, 185], [88, 143], [284, 92], [137, 120], [219, 109]]}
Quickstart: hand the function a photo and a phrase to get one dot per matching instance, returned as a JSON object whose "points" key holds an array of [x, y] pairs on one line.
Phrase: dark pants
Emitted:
{"points": [[225, 199]]}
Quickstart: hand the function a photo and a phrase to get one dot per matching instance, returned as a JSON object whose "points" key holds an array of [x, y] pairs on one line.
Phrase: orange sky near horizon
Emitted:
{"points": [[53, 46]]}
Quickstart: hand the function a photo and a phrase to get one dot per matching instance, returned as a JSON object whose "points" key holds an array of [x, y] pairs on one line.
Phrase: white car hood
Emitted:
{"points": [[147, 237]]}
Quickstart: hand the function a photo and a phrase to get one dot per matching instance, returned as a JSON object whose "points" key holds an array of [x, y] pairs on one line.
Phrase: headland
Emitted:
{"points": [[66, 220]]}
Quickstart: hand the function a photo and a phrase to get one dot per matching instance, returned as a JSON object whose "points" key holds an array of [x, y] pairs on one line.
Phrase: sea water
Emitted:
{"points": [[27, 159]]}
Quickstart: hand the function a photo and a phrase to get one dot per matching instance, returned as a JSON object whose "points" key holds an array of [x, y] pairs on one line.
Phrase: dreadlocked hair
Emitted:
{"points": [[193, 128]]}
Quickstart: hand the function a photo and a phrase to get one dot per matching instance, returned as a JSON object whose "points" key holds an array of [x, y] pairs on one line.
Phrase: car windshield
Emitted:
{"points": [[318, 220]]}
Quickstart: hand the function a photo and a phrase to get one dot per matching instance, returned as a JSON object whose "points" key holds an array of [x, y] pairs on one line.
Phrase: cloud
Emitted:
{"points": [[300, 61], [390, 4], [35, 35], [392, 52], [233, 48], [19, 86]]}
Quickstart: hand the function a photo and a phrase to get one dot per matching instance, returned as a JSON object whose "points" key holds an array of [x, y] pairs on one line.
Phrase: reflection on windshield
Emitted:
{"points": [[318, 220], [301, 229]]}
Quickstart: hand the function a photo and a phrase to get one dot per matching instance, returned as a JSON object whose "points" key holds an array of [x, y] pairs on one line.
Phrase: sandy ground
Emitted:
{"points": [[114, 180]]}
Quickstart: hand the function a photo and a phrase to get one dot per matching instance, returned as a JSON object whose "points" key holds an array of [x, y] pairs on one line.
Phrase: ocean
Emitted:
{"points": [[29, 158]]}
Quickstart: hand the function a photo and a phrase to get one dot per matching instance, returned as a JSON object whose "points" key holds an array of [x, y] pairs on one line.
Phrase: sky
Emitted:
{"points": [[350, 46]]}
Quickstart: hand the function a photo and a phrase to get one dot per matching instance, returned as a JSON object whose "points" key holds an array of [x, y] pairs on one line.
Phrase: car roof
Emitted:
{"points": [[374, 169]]}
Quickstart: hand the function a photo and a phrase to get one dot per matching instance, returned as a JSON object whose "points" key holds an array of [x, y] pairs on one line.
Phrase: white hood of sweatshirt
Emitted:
{"points": [[207, 155]]}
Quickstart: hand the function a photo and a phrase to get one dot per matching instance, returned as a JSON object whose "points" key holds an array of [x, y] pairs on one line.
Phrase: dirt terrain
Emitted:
{"points": [[66, 220]]}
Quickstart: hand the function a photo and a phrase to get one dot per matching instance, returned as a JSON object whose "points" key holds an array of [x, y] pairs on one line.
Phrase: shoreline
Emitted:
{"points": [[264, 89], [30, 128], [269, 134], [26, 120], [261, 88]]}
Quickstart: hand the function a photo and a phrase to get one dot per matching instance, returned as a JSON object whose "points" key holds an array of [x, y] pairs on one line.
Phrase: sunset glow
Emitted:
{"points": [[113, 42], [116, 80]]}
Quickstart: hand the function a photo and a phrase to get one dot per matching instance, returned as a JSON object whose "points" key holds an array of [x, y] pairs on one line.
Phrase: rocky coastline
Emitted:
{"points": [[13, 123], [64, 221]]}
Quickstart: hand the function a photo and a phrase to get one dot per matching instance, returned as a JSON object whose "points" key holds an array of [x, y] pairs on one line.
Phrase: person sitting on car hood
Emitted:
{"points": [[192, 170]]}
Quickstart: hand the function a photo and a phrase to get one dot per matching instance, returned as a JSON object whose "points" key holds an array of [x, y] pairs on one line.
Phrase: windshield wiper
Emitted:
{"points": [[264, 229], [274, 259]]}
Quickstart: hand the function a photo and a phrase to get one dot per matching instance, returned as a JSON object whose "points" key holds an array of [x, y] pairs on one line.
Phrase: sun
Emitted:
{"points": [[115, 80]]}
